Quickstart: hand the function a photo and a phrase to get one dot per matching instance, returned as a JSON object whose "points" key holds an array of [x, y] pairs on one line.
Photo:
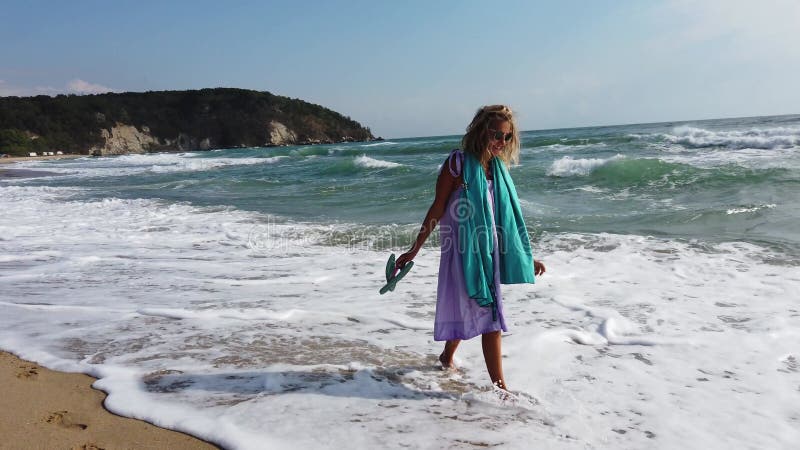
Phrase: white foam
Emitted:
{"points": [[372, 163], [561, 148], [592, 189], [746, 157], [749, 209], [143, 163], [754, 138], [567, 166], [379, 144]]}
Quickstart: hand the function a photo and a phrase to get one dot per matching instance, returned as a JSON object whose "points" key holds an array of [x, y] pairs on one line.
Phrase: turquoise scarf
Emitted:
{"points": [[476, 239]]}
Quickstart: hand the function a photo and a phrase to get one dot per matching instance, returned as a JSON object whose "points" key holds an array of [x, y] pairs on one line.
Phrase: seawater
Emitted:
{"points": [[232, 294]]}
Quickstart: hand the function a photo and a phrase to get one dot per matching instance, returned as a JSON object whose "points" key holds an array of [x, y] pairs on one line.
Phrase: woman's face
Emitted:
{"points": [[499, 134]]}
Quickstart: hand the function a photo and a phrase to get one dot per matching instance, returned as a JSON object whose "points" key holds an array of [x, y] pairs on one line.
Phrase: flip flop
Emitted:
{"points": [[391, 281], [390, 268]]}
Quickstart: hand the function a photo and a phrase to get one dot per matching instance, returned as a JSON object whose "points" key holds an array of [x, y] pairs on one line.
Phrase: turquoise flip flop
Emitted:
{"points": [[391, 281], [390, 268]]}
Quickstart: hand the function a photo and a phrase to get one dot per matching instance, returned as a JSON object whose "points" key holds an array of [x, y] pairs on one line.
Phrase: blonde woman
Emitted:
{"points": [[483, 237]]}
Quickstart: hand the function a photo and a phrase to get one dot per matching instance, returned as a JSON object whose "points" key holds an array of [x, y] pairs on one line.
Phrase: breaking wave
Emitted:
{"points": [[766, 138], [567, 166]]}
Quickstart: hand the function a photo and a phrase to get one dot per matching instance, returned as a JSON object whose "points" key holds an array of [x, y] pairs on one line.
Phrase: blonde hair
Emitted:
{"points": [[477, 138]]}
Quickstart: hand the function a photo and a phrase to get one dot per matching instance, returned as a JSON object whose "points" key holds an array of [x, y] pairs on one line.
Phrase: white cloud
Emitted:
{"points": [[76, 86], [79, 86], [767, 27]]}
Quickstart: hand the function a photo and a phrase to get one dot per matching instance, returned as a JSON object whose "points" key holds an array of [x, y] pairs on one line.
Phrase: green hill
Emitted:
{"points": [[136, 122]]}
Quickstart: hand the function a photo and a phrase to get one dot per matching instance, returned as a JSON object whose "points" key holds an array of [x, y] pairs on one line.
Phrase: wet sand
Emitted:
{"points": [[41, 408], [13, 159]]}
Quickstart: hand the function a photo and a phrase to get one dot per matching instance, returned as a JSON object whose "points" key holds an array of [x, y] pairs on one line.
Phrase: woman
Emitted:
{"points": [[483, 237]]}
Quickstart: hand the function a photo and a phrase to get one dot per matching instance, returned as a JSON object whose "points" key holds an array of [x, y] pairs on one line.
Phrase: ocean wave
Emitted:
{"points": [[202, 164], [142, 163], [379, 144], [620, 172], [561, 148], [750, 158], [372, 163], [533, 142], [757, 138], [319, 150], [567, 166], [749, 209]]}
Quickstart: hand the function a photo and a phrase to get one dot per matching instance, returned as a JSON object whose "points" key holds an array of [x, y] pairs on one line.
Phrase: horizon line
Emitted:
{"points": [[586, 127], [579, 127]]}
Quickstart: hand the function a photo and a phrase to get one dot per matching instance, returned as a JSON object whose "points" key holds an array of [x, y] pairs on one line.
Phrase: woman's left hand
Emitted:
{"points": [[538, 267]]}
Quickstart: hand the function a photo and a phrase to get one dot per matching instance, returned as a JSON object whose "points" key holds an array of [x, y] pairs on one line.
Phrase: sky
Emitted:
{"points": [[422, 68]]}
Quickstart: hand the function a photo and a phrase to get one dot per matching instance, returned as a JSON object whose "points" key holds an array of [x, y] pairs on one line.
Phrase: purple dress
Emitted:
{"points": [[457, 315]]}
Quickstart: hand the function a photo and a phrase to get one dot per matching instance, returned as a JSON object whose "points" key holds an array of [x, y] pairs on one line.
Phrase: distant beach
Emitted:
{"points": [[6, 172], [14, 159]]}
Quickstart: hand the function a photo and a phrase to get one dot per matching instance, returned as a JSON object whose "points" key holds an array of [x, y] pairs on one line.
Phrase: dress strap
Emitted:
{"points": [[454, 161]]}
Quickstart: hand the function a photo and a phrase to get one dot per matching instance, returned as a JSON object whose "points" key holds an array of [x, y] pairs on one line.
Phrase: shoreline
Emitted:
{"points": [[13, 159], [42, 408]]}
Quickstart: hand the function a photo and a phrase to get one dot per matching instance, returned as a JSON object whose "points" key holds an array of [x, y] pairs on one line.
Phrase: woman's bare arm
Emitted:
{"points": [[445, 185]]}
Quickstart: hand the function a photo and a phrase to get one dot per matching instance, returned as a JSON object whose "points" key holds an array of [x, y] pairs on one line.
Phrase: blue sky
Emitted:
{"points": [[418, 68]]}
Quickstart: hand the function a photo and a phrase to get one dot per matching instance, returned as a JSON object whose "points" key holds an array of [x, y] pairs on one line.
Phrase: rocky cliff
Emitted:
{"points": [[123, 139], [168, 120], [279, 134]]}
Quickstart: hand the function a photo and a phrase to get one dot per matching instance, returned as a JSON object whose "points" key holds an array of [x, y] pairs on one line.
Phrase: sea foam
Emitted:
{"points": [[372, 163], [137, 164], [757, 138], [567, 166]]}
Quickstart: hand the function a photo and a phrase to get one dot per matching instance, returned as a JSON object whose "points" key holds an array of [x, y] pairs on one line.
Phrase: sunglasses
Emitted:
{"points": [[497, 135]]}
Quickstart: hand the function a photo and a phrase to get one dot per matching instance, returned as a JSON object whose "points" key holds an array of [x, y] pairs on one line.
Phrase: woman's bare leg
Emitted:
{"points": [[494, 358], [446, 358]]}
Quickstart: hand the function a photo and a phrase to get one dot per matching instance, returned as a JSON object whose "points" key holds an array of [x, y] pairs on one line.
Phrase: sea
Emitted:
{"points": [[233, 294]]}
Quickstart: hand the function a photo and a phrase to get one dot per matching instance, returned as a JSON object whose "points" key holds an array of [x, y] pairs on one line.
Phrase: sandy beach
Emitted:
{"points": [[27, 173], [13, 159], [40, 408]]}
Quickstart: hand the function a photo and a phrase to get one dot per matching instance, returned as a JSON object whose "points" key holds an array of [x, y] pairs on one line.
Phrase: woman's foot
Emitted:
{"points": [[446, 358], [447, 364], [501, 390]]}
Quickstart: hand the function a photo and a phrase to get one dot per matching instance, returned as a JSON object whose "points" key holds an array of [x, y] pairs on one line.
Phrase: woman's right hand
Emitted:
{"points": [[404, 259]]}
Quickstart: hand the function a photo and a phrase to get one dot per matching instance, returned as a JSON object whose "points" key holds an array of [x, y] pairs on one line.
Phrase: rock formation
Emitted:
{"points": [[124, 139], [278, 134]]}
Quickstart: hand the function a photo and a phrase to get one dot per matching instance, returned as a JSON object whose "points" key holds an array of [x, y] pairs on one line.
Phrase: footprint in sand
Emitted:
{"points": [[66, 420], [27, 371], [88, 446]]}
